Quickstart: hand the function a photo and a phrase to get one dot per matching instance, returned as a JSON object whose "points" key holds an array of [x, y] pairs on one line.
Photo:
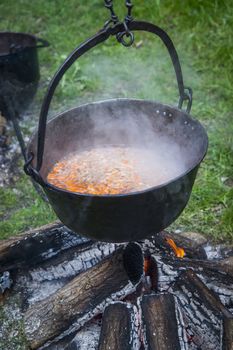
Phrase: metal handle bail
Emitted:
{"points": [[186, 96], [100, 37]]}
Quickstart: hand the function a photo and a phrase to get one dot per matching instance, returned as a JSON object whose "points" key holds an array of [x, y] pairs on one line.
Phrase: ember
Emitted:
{"points": [[112, 170]]}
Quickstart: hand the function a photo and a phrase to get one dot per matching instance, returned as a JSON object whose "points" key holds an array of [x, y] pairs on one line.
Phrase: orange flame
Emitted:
{"points": [[180, 252]]}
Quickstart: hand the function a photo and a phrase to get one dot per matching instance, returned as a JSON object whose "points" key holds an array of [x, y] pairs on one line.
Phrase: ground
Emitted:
{"points": [[203, 35]]}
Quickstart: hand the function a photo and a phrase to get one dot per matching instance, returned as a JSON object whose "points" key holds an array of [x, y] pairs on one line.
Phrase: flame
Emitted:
{"points": [[180, 252]]}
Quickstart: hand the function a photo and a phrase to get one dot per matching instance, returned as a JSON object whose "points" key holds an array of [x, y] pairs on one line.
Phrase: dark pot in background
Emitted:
{"points": [[19, 70]]}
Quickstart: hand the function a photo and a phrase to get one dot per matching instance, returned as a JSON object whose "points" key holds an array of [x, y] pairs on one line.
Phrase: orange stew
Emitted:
{"points": [[111, 170]]}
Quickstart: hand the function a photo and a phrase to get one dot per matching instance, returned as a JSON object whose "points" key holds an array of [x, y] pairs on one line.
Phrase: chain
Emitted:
{"points": [[126, 37], [129, 6], [114, 19]]}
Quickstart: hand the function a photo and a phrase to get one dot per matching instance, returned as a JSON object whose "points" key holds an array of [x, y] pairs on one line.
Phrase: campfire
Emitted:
{"points": [[76, 293]]}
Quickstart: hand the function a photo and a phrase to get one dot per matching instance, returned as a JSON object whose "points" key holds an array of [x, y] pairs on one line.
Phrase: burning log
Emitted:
{"points": [[69, 280], [193, 283], [161, 329], [217, 274], [151, 271], [217, 267], [191, 242], [39, 282], [203, 311], [45, 242], [48, 318], [118, 328]]}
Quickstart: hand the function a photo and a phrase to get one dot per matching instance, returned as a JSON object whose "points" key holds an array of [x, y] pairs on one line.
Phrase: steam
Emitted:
{"points": [[115, 71], [116, 133], [163, 149]]}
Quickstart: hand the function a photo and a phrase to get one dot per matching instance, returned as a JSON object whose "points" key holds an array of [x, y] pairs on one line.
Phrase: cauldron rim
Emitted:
{"points": [[134, 193], [29, 35]]}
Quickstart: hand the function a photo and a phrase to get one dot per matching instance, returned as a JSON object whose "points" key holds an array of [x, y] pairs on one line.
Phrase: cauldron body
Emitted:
{"points": [[19, 70], [126, 217]]}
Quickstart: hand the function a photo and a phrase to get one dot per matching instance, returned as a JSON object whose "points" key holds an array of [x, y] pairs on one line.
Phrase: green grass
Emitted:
{"points": [[25, 209], [201, 31]]}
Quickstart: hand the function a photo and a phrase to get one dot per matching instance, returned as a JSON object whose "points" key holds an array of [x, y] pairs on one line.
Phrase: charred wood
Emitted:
{"points": [[39, 282], [193, 284], [48, 318], [45, 242], [133, 261], [226, 265], [203, 311], [227, 333], [217, 267], [212, 273], [151, 273], [160, 322], [191, 242], [118, 329]]}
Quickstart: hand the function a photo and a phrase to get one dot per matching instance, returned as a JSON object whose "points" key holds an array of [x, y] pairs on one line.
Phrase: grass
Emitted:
{"points": [[203, 35]]}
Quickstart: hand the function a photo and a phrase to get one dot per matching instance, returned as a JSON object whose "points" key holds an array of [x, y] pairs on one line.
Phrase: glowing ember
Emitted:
{"points": [[111, 170], [147, 265], [180, 252]]}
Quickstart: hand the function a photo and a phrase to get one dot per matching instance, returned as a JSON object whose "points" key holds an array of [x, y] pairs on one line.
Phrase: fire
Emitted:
{"points": [[180, 252]]}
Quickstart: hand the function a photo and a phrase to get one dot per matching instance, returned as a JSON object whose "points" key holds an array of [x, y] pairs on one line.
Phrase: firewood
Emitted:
{"points": [[118, 329], [38, 282], [227, 334], [216, 274], [202, 309], [45, 242], [194, 285], [159, 318], [226, 265], [48, 318], [192, 243], [216, 267]]}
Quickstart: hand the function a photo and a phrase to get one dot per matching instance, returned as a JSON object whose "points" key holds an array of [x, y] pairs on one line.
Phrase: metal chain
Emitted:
{"points": [[126, 37], [114, 19], [129, 5]]}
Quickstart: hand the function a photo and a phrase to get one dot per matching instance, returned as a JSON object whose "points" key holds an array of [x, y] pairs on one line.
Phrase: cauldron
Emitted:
{"points": [[19, 70], [125, 217]]}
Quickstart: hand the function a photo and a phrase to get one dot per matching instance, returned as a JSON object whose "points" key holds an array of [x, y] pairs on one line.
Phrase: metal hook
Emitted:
{"points": [[126, 34], [121, 38]]}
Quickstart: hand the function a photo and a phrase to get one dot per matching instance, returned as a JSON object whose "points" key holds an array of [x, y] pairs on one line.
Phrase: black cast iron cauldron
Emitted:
{"points": [[125, 217], [19, 70]]}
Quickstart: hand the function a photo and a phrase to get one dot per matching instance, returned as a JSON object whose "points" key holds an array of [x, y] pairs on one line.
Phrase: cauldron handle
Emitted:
{"points": [[100, 37], [41, 43]]}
